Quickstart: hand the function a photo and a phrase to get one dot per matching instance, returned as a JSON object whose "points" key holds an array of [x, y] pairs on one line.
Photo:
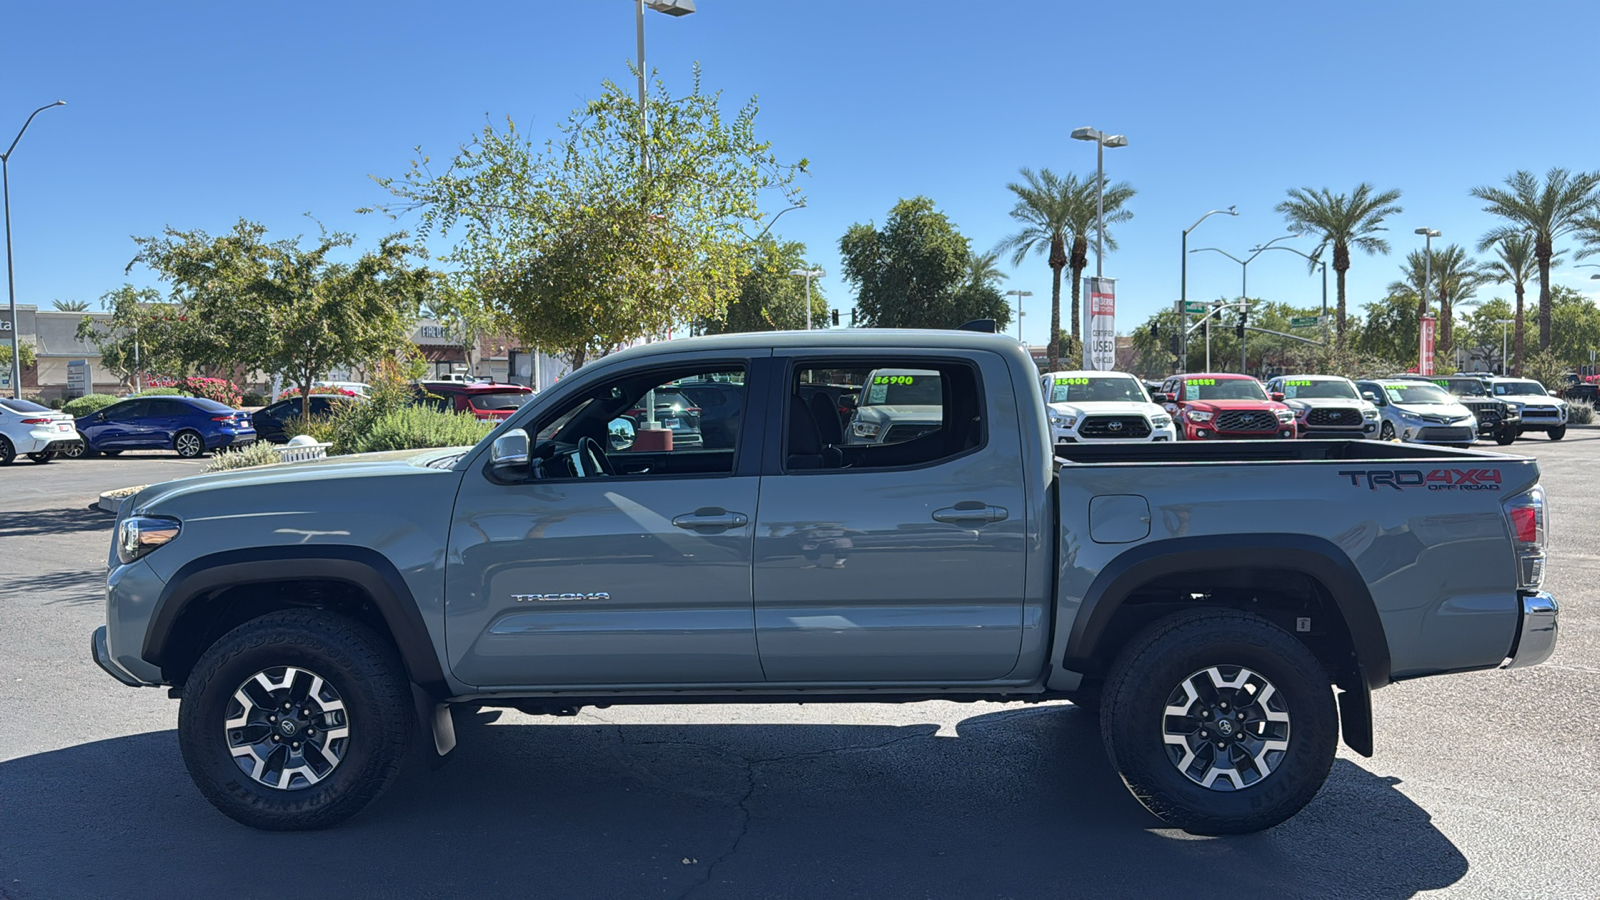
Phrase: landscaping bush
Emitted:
{"points": [[1580, 412], [258, 454], [57, 402], [322, 429], [161, 392], [219, 389], [251, 398], [416, 428], [82, 406]]}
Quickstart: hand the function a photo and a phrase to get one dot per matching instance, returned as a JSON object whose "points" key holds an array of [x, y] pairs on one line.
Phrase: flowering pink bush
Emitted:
{"points": [[219, 389], [338, 392]]}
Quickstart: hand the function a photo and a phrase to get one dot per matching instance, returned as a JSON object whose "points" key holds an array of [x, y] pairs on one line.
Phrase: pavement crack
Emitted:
{"points": [[738, 838]]}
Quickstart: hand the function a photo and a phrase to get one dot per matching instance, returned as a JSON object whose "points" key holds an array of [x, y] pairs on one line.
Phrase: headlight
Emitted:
{"points": [[1369, 414], [1198, 415], [865, 429], [1160, 421], [1285, 415], [1062, 421], [138, 535], [1411, 419]]}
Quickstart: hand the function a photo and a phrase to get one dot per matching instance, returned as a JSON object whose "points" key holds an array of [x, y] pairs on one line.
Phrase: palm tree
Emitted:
{"points": [[1546, 212], [1042, 208], [1343, 221], [71, 305], [1516, 265], [982, 271], [1456, 277], [1083, 216]]}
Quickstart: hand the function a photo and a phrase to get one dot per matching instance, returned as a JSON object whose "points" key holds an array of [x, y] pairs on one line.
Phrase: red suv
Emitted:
{"points": [[485, 400], [1225, 407]]}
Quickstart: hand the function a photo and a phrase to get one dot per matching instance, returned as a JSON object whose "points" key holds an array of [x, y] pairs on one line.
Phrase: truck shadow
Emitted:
{"points": [[1020, 803], [34, 522]]}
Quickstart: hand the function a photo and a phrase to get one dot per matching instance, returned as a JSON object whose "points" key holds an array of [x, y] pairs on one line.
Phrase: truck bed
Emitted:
{"points": [[1262, 451]]}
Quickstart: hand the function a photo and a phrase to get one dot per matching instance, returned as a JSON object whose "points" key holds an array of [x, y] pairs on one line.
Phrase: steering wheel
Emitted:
{"points": [[593, 459]]}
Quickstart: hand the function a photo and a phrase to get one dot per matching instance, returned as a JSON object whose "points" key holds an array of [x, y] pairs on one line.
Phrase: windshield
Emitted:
{"points": [[1096, 389], [23, 406], [1463, 387], [907, 388], [1223, 389], [1518, 388], [1414, 392], [498, 399], [1307, 389]]}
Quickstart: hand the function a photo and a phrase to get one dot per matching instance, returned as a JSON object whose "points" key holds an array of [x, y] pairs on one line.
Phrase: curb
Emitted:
{"points": [[111, 501]]}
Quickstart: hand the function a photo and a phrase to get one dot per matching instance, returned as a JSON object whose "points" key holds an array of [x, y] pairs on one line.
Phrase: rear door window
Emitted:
{"points": [[898, 413]]}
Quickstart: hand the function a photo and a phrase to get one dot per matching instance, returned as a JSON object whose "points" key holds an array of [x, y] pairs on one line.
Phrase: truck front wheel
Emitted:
{"points": [[1219, 722], [295, 720]]}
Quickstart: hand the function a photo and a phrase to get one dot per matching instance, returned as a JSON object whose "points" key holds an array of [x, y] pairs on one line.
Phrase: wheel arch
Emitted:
{"points": [[184, 612]]}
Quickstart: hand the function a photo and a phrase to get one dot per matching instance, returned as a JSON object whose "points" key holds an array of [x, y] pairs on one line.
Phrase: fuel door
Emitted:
{"points": [[1119, 518]]}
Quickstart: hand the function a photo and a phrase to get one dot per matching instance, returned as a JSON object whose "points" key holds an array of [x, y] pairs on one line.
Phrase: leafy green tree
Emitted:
{"points": [[1483, 334], [912, 272], [580, 245], [1390, 330], [770, 298], [1575, 326], [281, 307], [70, 305], [1456, 278], [1547, 212], [143, 334], [23, 347], [1343, 221], [1515, 263]]}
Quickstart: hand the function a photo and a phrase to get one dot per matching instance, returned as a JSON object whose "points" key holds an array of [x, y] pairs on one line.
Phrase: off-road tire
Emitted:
{"points": [[1159, 660], [7, 451], [189, 444], [368, 677], [1557, 433], [1506, 437]]}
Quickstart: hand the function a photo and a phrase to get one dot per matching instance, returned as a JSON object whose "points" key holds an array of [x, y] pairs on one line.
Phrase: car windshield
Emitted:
{"points": [[1414, 392], [1096, 389], [1463, 387], [495, 400], [1518, 388], [907, 388], [1223, 389], [1318, 389], [23, 406]]}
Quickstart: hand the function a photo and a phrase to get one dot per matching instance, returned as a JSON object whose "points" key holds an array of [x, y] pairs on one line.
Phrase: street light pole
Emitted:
{"points": [[1428, 234], [809, 274], [1244, 294], [1019, 295], [11, 278], [1505, 331], [1183, 293], [673, 8]]}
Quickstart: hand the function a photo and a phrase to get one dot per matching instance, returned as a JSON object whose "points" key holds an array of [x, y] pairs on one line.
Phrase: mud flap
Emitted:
{"points": [[1355, 715], [435, 734]]}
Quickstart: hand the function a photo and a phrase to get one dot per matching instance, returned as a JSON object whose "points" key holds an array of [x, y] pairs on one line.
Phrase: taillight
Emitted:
{"points": [[37, 421], [1525, 513], [222, 418]]}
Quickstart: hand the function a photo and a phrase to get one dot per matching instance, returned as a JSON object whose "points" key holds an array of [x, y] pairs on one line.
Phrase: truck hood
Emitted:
{"points": [[1108, 408], [1233, 404], [276, 479]]}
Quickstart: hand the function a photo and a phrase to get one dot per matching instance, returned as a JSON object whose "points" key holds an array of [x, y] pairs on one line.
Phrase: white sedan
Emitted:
{"points": [[1088, 407], [36, 431]]}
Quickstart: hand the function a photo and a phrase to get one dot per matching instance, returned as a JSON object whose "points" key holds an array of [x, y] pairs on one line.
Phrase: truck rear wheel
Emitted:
{"points": [[1219, 722], [295, 720]]}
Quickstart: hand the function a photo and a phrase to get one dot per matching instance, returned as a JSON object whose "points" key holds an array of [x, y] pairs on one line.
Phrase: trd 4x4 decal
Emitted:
{"points": [[1433, 480]]}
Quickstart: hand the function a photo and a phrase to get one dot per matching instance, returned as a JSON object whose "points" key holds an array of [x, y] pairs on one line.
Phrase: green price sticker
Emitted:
{"points": [[1297, 384], [1441, 382], [1203, 382], [1072, 381], [893, 379]]}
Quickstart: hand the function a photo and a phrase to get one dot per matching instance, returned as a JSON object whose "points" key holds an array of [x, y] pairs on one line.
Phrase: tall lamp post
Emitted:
{"points": [[674, 8], [1183, 290], [11, 278], [808, 274], [1428, 234], [1019, 295], [1313, 259], [1244, 285], [1101, 141], [1505, 331]]}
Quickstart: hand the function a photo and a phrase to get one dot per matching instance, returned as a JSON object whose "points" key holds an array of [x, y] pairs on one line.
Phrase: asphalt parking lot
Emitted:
{"points": [[1484, 785]]}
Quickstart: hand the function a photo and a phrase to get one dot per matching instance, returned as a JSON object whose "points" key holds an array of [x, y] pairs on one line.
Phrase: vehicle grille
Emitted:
{"points": [[1458, 435], [1488, 413], [1336, 418], [907, 432], [1114, 427], [1540, 412], [1249, 420]]}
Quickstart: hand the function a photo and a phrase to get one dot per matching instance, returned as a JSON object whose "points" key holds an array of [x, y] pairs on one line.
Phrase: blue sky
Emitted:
{"points": [[193, 115]]}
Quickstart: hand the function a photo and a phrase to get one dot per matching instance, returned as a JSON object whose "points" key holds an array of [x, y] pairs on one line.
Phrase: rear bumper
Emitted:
{"points": [[1536, 631]]}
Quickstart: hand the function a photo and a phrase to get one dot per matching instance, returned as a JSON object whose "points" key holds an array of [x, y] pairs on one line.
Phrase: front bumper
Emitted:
{"points": [[1071, 436], [1203, 432], [1366, 432], [1536, 631], [102, 658]]}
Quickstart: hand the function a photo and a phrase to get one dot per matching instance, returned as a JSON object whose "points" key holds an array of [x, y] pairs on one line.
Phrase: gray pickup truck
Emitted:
{"points": [[1228, 607]]}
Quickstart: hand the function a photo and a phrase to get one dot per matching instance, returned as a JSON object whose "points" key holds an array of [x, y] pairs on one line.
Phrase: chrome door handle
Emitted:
{"points": [[711, 518], [969, 513]]}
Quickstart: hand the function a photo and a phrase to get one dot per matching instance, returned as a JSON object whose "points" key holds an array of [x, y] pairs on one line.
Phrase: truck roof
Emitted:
{"points": [[888, 339]]}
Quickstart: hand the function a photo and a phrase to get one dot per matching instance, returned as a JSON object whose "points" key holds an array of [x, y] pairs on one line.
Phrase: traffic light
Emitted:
{"points": [[1238, 330], [1177, 345], [836, 318], [1155, 331]]}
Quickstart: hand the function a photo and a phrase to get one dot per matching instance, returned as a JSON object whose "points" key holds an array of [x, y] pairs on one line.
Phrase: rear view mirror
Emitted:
{"points": [[510, 450]]}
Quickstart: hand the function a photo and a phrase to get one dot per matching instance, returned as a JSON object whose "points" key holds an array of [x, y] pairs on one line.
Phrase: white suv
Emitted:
{"points": [[1542, 410], [1086, 407]]}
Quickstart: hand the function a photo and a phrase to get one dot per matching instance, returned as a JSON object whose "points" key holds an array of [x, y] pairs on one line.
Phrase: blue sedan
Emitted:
{"points": [[188, 425]]}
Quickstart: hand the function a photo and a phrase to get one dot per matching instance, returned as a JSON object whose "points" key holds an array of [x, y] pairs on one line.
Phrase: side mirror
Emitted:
{"points": [[621, 433], [1369, 396], [1163, 398], [510, 450], [849, 401], [1277, 397], [1554, 394]]}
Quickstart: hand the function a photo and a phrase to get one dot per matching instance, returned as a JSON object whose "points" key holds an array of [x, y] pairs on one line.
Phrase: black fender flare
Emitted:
{"points": [[1315, 557], [364, 568]]}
